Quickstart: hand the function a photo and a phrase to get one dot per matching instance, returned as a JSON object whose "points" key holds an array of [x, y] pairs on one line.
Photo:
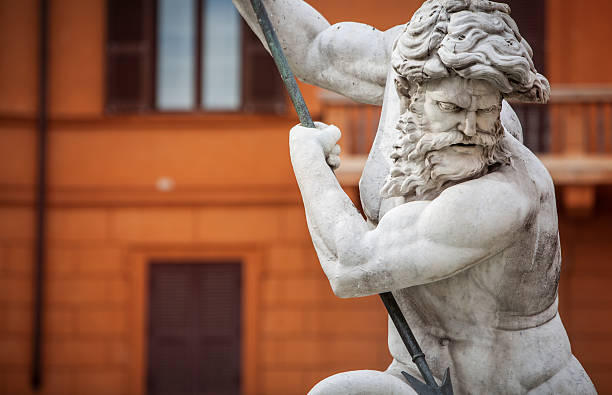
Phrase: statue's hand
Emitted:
{"points": [[326, 136]]}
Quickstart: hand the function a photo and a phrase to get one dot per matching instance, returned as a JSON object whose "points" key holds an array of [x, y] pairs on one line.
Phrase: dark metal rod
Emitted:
{"points": [[408, 337], [300, 106], [199, 70], [41, 197], [281, 63]]}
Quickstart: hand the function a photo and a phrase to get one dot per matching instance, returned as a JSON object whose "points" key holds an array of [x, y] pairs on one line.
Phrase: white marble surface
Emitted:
{"points": [[461, 217]]}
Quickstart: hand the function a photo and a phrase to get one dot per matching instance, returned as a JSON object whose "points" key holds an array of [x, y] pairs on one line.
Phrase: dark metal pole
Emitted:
{"points": [[281, 63], [199, 71], [408, 337], [41, 197]]}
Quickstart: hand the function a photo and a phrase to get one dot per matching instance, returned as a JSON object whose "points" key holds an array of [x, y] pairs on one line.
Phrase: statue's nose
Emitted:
{"points": [[468, 126]]}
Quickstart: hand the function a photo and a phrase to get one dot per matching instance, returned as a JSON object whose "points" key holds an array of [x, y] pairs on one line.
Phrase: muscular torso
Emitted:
{"points": [[495, 315]]}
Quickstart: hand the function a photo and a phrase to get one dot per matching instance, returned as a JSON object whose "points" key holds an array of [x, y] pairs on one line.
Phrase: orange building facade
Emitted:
{"points": [[126, 191]]}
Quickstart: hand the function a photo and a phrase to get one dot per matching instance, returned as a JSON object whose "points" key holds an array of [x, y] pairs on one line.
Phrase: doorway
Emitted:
{"points": [[194, 328]]}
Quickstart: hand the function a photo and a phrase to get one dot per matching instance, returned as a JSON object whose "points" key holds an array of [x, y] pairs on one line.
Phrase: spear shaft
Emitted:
{"points": [[418, 357], [283, 66]]}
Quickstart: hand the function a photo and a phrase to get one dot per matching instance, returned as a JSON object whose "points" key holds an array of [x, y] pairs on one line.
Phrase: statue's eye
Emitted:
{"points": [[489, 110], [448, 107]]}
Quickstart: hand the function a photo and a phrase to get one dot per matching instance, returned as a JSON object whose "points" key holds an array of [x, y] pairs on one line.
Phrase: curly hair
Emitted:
{"points": [[475, 39]]}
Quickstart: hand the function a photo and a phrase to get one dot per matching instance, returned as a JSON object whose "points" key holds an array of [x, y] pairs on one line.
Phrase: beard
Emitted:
{"points": [[425, 163]]}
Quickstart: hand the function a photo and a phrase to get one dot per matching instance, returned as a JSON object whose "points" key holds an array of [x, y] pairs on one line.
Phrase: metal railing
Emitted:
{"points": [[577, 120]]}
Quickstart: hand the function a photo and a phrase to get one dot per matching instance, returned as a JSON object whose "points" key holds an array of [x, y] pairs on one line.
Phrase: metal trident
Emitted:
{"points": [[430, 386]]}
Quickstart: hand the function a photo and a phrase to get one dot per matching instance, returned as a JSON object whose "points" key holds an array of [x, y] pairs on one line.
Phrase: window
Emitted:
{"points": [[186, 55]]}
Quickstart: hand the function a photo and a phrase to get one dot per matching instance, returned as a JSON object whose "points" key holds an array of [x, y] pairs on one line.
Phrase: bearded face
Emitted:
{"points": [[449, 132]]}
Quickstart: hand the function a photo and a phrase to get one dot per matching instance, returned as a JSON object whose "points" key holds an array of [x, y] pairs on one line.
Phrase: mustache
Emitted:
{"points": [[438, 141]]}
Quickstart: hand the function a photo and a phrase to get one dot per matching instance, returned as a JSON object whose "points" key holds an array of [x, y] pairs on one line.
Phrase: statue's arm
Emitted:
{"points": [[349, 58], [415, 243], [422, 242]]}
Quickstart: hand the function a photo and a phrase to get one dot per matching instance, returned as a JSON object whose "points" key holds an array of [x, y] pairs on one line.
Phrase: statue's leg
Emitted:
{"points": [[362, 382]]}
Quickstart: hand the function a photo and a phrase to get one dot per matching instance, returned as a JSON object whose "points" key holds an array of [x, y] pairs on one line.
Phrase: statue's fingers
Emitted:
{"points": [[334, 132], [328, 137], [333, 161]]}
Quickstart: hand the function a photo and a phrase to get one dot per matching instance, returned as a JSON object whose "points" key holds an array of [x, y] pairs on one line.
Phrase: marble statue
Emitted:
{"points": [[461, 218]]}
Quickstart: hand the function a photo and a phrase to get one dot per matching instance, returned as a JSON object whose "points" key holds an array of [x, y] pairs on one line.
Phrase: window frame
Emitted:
{"points": [[250, 103]]}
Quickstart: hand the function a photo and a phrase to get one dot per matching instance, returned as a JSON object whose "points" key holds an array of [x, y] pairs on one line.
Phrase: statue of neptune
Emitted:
{"points": [[461, 217]]}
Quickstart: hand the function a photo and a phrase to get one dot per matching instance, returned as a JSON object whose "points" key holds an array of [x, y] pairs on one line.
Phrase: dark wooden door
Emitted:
{"points": [[194, 329]]}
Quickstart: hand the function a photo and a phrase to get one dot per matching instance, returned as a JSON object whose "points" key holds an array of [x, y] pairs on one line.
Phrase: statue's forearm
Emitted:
{"points": [[333, 221]]}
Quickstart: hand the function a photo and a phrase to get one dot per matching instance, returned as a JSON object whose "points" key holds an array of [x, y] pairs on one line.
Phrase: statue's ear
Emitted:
{"points": [[539, 92]]}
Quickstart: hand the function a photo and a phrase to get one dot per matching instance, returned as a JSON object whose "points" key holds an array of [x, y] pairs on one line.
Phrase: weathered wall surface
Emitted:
{"points": [[578, 50], [303, 332], [104, 205]]}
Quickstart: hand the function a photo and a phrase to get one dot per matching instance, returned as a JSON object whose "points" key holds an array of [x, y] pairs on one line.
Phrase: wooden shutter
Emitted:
{"points": [[129, 55], [530, 16], [194, 329], [262, 87], [219, 329], [171, 327]]}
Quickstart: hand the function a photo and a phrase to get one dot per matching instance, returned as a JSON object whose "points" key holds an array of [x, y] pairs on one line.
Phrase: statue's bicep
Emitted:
{"points": [[348, 58]]}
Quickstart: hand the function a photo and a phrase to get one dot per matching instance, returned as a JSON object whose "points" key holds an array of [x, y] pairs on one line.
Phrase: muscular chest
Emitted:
{"points": [[467, 299], [491, 294]]}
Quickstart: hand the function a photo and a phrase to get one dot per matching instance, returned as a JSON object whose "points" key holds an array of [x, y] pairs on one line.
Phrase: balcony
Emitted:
{"points": [[572, 135]]}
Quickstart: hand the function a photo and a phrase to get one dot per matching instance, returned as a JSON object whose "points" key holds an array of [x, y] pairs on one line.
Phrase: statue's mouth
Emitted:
{"points": [[463, 145]]}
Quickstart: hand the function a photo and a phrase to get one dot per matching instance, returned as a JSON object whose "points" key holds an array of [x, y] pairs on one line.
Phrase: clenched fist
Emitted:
{"points": [[326, 136]]}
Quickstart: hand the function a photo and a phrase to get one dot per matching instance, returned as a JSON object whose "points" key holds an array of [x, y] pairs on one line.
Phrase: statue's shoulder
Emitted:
{"points": [[510, 121], [530, 166]]}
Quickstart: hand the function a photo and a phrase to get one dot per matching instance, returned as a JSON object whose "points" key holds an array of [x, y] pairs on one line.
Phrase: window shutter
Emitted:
{"points": [[219, 329], [129, 55], [194, 329], [171, 330], [263, 89], [530, 16]]}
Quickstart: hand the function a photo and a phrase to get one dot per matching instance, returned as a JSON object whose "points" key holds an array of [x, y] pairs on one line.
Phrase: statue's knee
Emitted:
{"points": [[369, 382]]}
